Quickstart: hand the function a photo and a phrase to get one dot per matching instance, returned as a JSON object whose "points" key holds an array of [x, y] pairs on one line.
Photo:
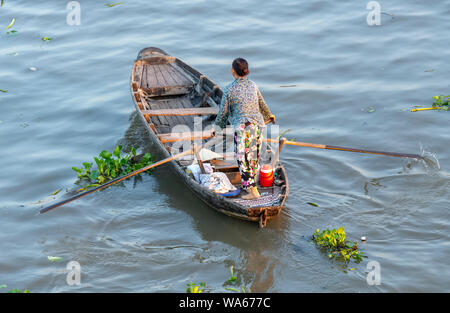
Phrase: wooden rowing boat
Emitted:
{"points": [[168, 93]]}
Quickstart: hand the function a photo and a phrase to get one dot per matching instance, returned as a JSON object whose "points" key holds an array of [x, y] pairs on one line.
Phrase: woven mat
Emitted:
{"points": [[268, 198]]}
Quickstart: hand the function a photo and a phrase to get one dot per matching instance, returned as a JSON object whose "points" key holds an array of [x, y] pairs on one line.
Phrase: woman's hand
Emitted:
{"points": [[272, 119]]}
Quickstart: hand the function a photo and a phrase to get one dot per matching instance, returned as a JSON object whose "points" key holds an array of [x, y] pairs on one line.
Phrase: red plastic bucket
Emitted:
{"points": [[266, 175]]}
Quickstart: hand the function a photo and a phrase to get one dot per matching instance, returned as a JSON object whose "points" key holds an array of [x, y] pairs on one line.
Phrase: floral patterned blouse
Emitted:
{"points": [[243, 101]]}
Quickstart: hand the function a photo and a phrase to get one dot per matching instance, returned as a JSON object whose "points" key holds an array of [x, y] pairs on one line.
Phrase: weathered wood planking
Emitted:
{"points": [[162, 79], [234, 177], [224, 165], [187, 136], [182, 112]]}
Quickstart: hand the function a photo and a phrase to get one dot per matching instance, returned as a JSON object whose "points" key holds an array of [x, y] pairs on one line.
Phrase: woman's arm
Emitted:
{"points": [[224, 111], [263, 108]]}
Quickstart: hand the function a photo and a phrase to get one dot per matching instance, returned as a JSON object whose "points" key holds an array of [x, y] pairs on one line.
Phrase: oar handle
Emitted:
{"points": [[320, 146], [393, 154]]}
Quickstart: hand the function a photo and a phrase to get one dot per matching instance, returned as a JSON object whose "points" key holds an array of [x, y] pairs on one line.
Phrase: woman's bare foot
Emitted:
{"points": [[253, 193]]}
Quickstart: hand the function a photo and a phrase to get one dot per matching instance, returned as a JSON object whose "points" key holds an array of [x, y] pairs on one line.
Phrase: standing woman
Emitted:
{"points": [[249, 114]]}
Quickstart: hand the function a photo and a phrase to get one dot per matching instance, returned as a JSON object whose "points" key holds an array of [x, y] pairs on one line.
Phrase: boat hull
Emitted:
{"points": [[149, 57]]}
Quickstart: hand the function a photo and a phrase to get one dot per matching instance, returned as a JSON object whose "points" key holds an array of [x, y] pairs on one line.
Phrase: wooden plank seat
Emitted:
{"points": [[181, 112], [225, 165], [186, 136], [168, 90]]}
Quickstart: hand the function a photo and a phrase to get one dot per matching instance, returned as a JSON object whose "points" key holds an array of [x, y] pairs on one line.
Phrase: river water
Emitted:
{"points": [[329, 78]]}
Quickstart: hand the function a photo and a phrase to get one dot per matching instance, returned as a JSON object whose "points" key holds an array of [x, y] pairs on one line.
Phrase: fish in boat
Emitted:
{"points": [[171, 97]]}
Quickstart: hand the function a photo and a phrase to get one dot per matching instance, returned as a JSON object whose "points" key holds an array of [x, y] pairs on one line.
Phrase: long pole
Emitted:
{"points": [[320, 146]]}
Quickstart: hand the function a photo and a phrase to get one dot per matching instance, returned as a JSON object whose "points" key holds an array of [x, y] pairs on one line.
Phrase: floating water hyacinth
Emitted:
{"points": [[4, 91], [440, 103], [46, 39], [194, 288], [19, 291], [56, 192], [111, 165], [337, 245], [112, 5], [54, 258]]}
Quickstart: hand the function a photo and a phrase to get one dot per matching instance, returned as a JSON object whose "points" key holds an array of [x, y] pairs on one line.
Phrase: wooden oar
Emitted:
{"points": [[319, 146], [118, 179]]}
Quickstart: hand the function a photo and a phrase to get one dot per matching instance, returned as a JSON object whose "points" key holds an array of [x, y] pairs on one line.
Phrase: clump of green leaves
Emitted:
{"points": [[198, 288], [12, 32], [233, 281], [442, 102], [15, 290], [194, 288], [337, 245], [19, 291], [232, 278], [113, 5], [110, 165]]}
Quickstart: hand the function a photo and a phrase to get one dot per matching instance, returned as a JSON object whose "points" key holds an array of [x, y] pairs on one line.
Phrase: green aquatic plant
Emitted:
{"points": [[442, 102], [11, 24], [19, 291], [110, 165], [113, 5], [198, 288], [337, 245], [233, 281], [14, 290], [194, 288], [232, 278], [284, 132]]}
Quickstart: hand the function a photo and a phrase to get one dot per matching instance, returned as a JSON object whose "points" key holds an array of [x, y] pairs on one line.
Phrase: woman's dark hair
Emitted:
{"points": [[240, 66]]}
